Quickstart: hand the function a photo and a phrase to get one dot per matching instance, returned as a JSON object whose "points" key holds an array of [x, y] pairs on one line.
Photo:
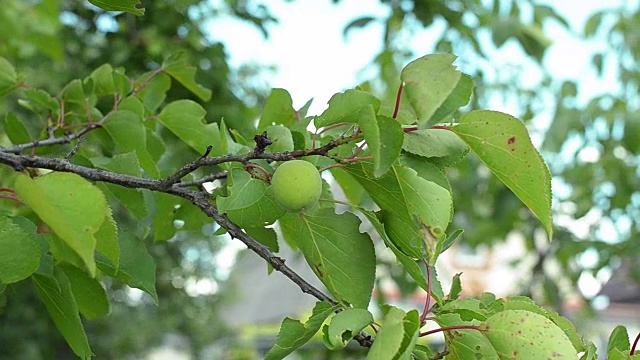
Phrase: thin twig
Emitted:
{"points": [[75, 149], [204, 179]]}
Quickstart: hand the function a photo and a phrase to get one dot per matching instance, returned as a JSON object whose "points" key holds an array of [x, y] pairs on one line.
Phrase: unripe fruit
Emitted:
{"points": [[296, 185]]}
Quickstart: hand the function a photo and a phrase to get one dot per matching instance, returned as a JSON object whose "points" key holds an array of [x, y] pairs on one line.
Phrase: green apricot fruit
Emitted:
{"points": [[281, 139], [296, 185]]}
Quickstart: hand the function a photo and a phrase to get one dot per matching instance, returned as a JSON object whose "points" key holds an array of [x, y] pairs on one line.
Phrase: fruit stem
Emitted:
{"points": [[398, 97], [635, 343], [250, 165], [450, 328]]}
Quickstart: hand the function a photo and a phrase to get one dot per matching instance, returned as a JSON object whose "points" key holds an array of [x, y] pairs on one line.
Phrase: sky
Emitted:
{"points": [[314, 60]]}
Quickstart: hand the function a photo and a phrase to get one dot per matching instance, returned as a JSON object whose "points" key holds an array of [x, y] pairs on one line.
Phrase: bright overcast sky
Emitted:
{"points": [[314, 60]]}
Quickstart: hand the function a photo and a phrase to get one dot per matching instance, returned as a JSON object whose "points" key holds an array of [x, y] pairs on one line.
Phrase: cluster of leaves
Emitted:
{"points": [[600, 191], [100, 136]]}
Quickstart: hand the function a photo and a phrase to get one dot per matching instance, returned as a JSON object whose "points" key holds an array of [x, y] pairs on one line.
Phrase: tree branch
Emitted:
{"points": [[198, 198]]}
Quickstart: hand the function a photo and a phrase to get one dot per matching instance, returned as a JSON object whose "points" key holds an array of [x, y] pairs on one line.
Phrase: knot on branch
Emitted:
{"points": [[262, 141]]}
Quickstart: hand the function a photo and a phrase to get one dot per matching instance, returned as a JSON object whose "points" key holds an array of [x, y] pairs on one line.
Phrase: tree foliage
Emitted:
{"points": [[97, 168]]}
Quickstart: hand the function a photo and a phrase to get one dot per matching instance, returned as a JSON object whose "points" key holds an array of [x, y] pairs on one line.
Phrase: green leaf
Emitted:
{"points": [[456, 287], [152, 90], [469, 309], [250, 202], [70, 205], [20, 253], [503, 144], [90, 296], [43, 99], [265, 211], [344, 326], [103, 83], [384, 138], [294, 334], [73, 93], [389, 337], [129, 6], [137, 267], [437, 143], [281, 138], [435, 87], [451, 238], [357, 23], [176, 66], [430, 205], [619, 339], [129, 134], [397, 335], [265, 236], [338, 253], [302, 112], [591, 353], [530, 335], [533, 39], [164, 216], [278, 110], [411, 325], [465, 343], [631, 137], [107, 243], [244, 191], [593, 23], [503, 29], [126, 164], [354, 192], [8, 77], [416, 212], [133, 104], [426, 170], [15, 129], [345, 107], [55, 293], [408, 263], [185, 118], [423, 352]]}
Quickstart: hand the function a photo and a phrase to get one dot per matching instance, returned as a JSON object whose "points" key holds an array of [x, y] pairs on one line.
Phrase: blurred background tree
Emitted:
{"points": [[590, 139]]}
